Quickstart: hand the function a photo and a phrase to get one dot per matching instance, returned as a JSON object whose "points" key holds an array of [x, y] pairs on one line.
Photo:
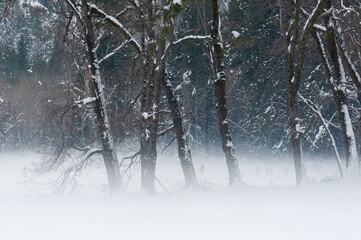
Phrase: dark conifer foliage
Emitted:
{"points": [[93, 78]]}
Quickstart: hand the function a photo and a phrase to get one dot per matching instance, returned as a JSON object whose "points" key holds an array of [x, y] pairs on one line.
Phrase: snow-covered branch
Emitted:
{"points": [[113, 52], [181, 40], [85, 101], [115, 22], [190, 37], [125, 10], [76, 11], [316, 110], [320, 27], [165, 131], [312, 18]]}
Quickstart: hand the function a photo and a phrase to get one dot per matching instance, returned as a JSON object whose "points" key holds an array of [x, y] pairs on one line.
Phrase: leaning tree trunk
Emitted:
{"points": [[97, 92], [330, 76], [220, 95], [353, 73], [184, 152], [339, 94], [351, 69]]}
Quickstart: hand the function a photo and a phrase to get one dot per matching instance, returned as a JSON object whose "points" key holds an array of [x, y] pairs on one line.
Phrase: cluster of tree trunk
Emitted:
{"points": [[152, 48], [303, 26], [150, 30]]}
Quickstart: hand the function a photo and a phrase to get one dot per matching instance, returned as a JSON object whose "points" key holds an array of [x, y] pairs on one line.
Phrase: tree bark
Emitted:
{"points": [[296, 52], [338, 89], [150, 98], [149, 132], [220, 95], [184, 152], [295, 132], [149, 163], [97, 91], [353, 73]]}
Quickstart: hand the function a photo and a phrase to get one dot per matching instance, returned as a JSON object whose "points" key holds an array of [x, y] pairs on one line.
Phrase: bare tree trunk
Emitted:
{"points": [[296, 42], [220, 94], [97, 92], [184, 152], [150, 107], [148, 136], [295, 132], [149, 128], [338, 89], [292, 87], [353, 73], [148, 167]]}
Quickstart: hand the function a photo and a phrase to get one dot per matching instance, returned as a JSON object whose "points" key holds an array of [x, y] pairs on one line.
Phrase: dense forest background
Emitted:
{"points": [[38, 67], [44, 74]]}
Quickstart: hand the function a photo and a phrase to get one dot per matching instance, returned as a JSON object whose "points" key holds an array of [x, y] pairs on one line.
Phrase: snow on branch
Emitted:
{"points": [[115, 22], [312, 18], [165, 131], [305, 12], [191, 37], [325, 60], [353, 71], [320, 27], [348, 9], [85, 101], [125, 10], [316, 110], [76, 11], [134, 3], [113, 52]]}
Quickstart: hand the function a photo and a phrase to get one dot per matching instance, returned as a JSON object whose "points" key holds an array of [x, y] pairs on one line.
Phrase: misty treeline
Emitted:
{"points": [[85, 79]]}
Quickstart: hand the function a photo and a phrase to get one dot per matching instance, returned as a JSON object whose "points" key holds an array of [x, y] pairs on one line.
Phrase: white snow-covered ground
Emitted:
{"points": [[270, 208]]}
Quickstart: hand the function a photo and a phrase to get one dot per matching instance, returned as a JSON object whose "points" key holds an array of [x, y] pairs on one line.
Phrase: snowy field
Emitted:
{"points": [[269, 208]]}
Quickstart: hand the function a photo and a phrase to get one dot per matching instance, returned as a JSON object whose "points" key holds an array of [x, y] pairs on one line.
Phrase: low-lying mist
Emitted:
{"points": [[268, 206]]}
